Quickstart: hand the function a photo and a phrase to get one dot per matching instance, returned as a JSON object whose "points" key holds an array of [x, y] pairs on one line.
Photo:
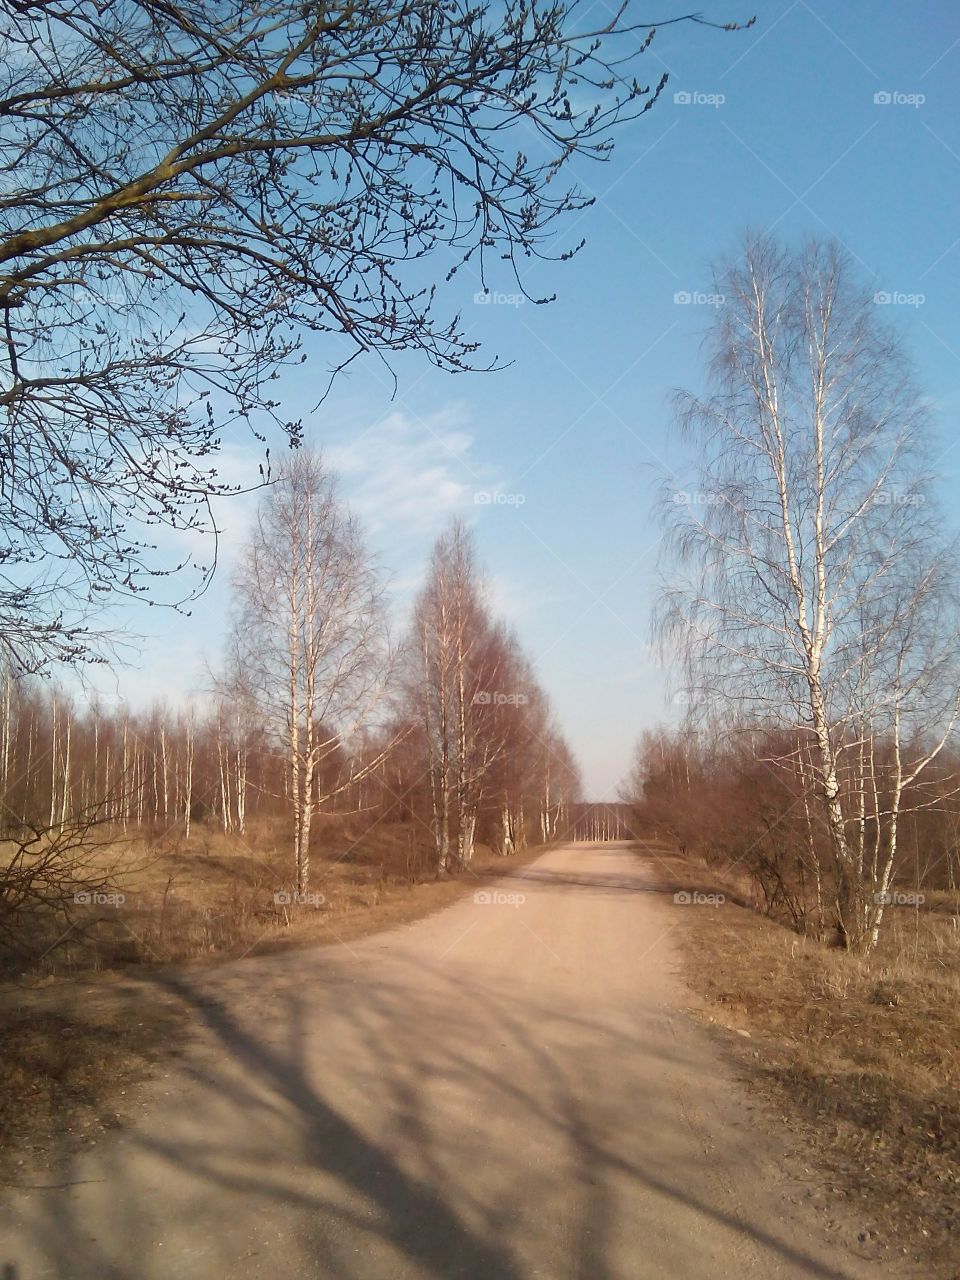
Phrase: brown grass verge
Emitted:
{"points": [[860, 1057], [81, 1027]]}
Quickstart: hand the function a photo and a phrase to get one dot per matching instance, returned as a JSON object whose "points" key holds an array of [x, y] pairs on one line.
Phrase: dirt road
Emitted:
{"points": [[506, 1090]]}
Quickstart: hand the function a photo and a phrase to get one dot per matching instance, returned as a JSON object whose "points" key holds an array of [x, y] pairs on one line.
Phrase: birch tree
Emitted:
{"points": [[454, 679], [483, 721], [431, 691], [309, 655], [809, 588]]}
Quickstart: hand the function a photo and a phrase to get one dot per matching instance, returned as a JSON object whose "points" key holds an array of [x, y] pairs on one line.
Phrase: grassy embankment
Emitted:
{"points": [[860, 1057]]}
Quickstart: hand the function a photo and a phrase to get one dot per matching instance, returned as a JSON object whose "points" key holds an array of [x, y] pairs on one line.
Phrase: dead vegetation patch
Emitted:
{"points": [[172, 900], [860, 1056], [82, 1024]]}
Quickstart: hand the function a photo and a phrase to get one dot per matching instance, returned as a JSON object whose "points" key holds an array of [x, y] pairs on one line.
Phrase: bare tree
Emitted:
{"points": [[308, 652], [457, 673], [484, 727], [187, 187], [450, 619], [812, 591], [431, 693]]}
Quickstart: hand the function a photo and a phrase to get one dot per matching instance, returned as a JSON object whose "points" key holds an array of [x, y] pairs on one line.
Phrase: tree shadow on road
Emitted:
{"points": [[400, 1121]]}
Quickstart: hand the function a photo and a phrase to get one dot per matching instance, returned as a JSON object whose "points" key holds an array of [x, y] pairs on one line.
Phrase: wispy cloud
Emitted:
{"points": [[409, 474]]}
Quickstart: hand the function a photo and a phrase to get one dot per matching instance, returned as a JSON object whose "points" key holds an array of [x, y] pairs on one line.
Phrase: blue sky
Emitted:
{"points": [[782, 131]]}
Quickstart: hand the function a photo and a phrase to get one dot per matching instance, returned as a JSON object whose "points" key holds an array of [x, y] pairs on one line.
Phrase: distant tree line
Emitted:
{"points": [[749, 804], [315, 709]]}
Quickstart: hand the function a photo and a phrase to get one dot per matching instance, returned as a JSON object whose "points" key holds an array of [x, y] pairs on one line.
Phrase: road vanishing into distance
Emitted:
{"points": [[507, 1089]]}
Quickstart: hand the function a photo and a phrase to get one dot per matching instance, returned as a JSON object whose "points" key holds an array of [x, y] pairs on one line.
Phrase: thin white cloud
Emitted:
{"points": [[407, 474]]}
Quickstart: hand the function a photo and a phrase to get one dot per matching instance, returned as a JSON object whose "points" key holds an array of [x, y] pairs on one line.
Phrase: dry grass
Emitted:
{"points": [[214, 896], [80, 1027], [861, 1056]]}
